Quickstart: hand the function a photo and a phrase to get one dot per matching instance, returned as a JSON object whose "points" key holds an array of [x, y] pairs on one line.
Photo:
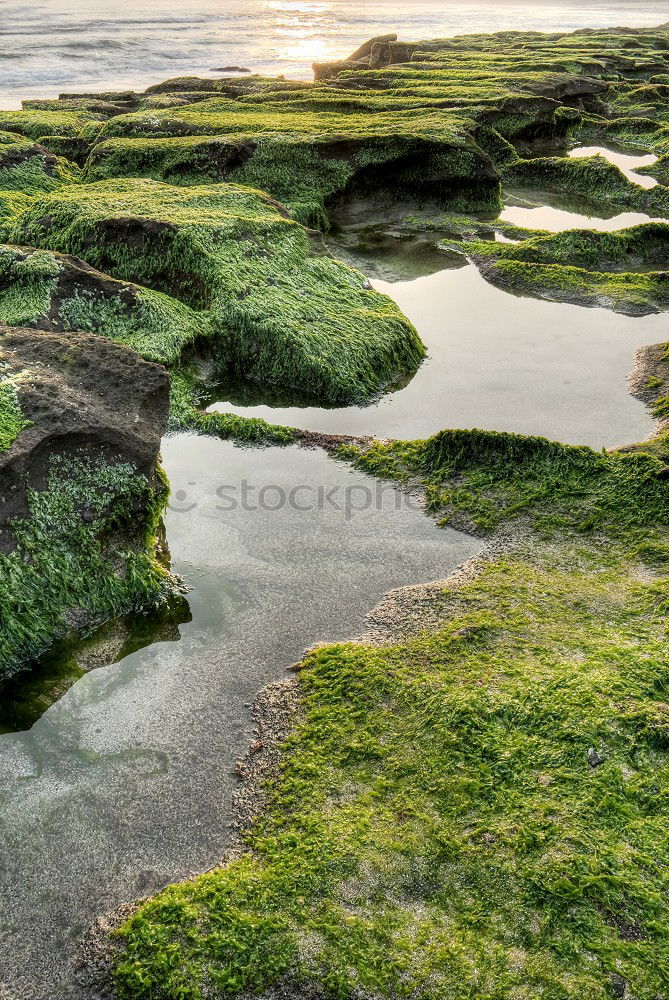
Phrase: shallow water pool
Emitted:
{"points": [[627, 163], [496, 361]]}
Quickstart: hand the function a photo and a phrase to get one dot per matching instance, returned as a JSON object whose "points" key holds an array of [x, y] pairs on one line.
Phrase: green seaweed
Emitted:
{"points": [[12, 420], [29, 168], [592, 177], [281, 309], [627, 271], [34, 124], [102, 566]]}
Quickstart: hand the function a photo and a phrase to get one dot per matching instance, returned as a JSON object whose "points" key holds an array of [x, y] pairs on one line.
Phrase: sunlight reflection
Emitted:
{"points": [[305, 6], [300, 32], [307, 49]]}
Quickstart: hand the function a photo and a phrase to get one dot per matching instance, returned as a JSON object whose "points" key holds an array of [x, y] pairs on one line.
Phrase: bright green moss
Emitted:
{"points": [[636, 248], [625, 271], [304, 170], [103, 566], [281, 309], [487, 477], [187, 415], [592, 177], [632, 294], [27, 284], [30, 169], [12, 421], [154, 325], [39, 288], [659, 170], [12, 203], [642, 133], [437, 828], [37, 123]]}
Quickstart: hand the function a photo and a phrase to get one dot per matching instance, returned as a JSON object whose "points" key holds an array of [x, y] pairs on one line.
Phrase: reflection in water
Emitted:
{"points": [[28, 694], [124, 784], [389, 255], [627, 163], [496, 361], [557, 213]]}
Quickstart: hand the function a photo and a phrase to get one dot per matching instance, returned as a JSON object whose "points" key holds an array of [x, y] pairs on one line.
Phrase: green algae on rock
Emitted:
{"points": [[30, 168], [627, 271], [12, 419], [58, 292], [591, 177], [305, 160], [280, 308], [34, 124], [82, 495]]}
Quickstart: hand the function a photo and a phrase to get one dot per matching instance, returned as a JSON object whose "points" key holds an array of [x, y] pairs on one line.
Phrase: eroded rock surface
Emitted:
{"points": [[80, 497]]}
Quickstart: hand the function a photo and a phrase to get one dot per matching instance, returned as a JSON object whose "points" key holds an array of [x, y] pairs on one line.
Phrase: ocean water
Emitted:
{"points": [[52, 46]]}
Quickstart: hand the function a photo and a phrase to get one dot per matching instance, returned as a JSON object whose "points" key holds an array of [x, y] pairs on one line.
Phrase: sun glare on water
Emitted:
{"points": [[300, 29], [299, 6]]}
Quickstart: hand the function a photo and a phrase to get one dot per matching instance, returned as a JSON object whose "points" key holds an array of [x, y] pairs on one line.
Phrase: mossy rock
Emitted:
{"points": [[304, 160], [29, 168], [57, 292], [659, 170], [12, 203], [34, 124], [80, 426], [592, 177], [627, 271], [639, 248], [282, 309]]}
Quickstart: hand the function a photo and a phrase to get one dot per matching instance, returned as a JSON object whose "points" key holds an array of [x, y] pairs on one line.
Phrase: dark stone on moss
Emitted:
{"points": [[618, 985], [595, 759]]}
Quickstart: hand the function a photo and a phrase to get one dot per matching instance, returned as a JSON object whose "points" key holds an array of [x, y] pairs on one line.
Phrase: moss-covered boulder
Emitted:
{"points": [[80, 426], [34, 124], [627, 271], [58, 292], [280, 308], [590, 177], [29, 168], [304, 157], [659, 170]]}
